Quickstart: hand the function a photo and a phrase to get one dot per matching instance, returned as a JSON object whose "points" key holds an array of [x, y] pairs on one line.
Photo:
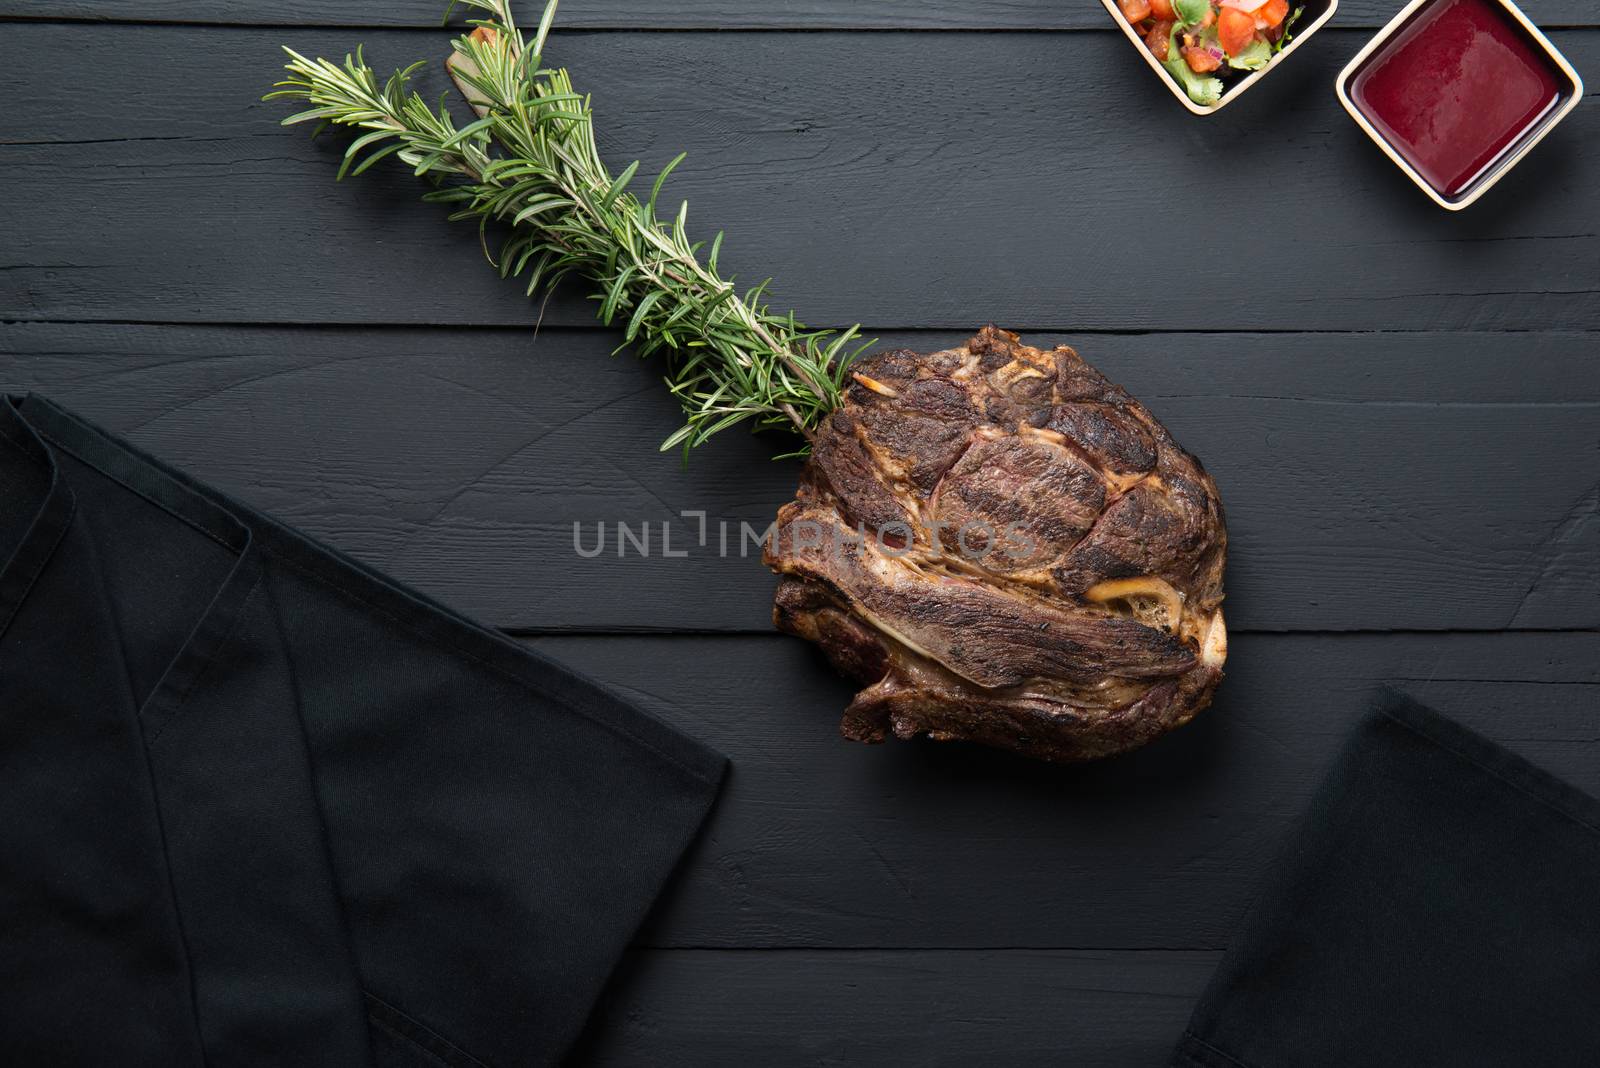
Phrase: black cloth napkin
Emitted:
{"points": [[1439, 905], [264, 806]]}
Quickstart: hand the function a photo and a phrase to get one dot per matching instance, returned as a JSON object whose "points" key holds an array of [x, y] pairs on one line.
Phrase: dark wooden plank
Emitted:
{"points": [[1372, 482], [900, 179], [805, 1009], [819, 842], [691, 14]]}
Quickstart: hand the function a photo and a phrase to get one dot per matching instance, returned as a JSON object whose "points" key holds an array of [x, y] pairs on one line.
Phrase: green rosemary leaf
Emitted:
{"points": [[382, 153], [618, 186], [639, 313], [549, 202], [661, 180], [465, 132]]}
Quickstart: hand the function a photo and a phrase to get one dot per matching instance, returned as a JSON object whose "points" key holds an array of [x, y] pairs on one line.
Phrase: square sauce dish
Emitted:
{"points": [[1456, 92]]}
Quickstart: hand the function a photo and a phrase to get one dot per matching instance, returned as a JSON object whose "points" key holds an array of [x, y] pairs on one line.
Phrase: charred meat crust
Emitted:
{"points": [[1004, 547]]}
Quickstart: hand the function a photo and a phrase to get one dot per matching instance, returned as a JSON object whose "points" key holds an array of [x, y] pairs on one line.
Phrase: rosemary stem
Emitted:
{"points": [[528, 158]]}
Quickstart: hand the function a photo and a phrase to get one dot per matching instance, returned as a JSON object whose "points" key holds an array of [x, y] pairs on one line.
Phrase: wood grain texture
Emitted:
{"points": [[1401, 406], [805, 1009], [692, 14], [818, 842], [899, 179], [1372, 482]]}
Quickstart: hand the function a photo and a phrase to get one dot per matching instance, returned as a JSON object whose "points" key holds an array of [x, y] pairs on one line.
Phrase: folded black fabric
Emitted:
{"points": [[1439, 905], [264, 806]]}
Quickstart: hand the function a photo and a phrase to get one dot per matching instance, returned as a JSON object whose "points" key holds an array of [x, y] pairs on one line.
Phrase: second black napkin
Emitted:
{"points": [[1439, 905]]}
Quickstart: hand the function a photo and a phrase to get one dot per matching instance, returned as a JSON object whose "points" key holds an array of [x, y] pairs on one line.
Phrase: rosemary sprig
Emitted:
{"points": [[529, 159]]}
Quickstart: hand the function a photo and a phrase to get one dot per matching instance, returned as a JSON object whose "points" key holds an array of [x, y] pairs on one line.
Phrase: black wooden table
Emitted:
{"points": [[1402, 408]]}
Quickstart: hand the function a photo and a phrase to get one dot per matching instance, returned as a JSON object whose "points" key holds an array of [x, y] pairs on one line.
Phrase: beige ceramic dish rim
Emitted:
{"points": [[1506, 163], [1233, 91]]}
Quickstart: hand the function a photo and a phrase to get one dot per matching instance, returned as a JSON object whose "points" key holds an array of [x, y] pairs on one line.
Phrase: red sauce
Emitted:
{"points": [[1455, 89]]}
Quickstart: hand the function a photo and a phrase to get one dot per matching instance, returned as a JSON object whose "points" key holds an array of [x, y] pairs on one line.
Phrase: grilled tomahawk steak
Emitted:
{"points": [[1004, 547]]}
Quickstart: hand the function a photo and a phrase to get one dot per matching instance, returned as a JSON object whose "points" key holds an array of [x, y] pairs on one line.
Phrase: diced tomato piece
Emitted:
{"points": [[1272, 13], [1200, 60], [1235, 30], [1159, 39], [1135, 11], [1162, 9]]}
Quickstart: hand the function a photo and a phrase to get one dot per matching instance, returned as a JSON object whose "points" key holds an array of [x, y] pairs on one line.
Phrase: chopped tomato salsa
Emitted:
{"points": [[1203, 42], [1135, 10], [1236, 31]]}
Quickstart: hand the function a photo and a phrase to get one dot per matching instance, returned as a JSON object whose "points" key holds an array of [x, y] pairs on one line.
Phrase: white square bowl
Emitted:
{"points": [[1515, 152], [1318, 11]]}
